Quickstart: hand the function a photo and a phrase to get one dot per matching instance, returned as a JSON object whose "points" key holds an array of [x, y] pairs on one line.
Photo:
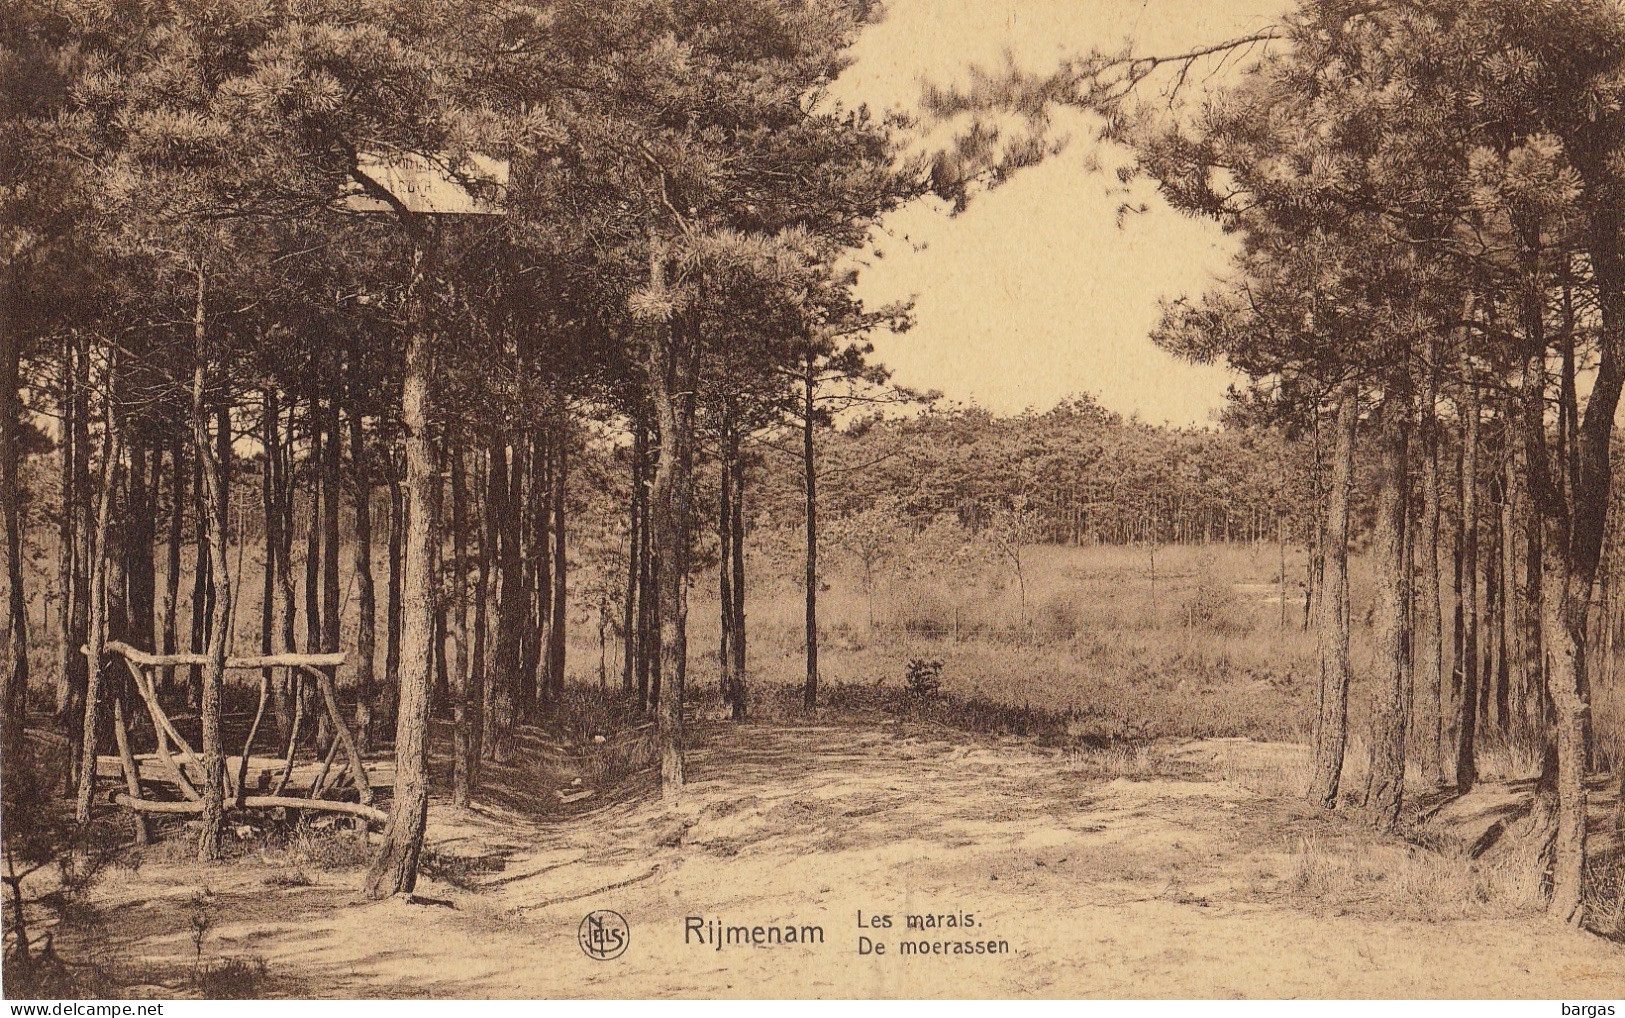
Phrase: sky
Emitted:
{"points": [[1035, 292]]}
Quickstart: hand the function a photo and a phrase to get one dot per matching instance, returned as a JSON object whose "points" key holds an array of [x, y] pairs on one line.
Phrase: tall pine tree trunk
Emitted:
{"points": [[539, 563], [178, 496], [1506, 594], [313, 528], [396, 867], [725, 595], [83, 510], [561, 572], [1430, 675], [478, 654], [394, 604], [1466, 727], [271, 441], [671, 388], [739, 695], [809, 693], [634, 557], [1331, 724], [466, 699], [366, 620], [490, 558], [69, 661], [648, 632], [14, 669], [1385, 781], [202, 572], [89, 729], [214, 670], [513, 604], [332, 477], [140, 582]]}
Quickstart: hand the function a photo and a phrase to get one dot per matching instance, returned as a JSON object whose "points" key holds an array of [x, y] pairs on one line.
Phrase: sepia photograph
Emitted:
{"points": [[516, 500]]}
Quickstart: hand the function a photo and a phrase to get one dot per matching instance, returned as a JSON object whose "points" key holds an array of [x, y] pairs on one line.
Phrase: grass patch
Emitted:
{"points": [[1409, 882], [231, 979]]}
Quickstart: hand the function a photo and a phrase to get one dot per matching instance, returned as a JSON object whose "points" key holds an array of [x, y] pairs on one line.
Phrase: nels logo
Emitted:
{"points": [[603, 935]]}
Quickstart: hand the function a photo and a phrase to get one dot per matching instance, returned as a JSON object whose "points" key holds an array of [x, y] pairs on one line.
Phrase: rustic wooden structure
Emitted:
{"points": [[169, 742]]}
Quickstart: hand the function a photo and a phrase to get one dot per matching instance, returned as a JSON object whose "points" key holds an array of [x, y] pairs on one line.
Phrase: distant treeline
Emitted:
{"points": [[1084, 474]]}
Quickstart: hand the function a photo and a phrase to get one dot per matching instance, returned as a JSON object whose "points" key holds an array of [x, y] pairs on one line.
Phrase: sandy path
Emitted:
{"points": [[1104, 888]]}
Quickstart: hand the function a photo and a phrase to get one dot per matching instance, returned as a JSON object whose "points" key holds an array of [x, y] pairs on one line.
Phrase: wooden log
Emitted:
{"points": [[162, 744], [293, 733], [253, 730], [320, 781], [187, 808], [263, 772], [132, 772], [324, 682]]}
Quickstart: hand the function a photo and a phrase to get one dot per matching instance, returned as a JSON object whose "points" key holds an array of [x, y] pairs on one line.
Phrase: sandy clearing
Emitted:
{"points": [[1100, 888]]}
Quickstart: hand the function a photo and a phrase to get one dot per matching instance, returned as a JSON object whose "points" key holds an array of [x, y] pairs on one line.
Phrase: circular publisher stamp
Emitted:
{"points": [[603, 934]]}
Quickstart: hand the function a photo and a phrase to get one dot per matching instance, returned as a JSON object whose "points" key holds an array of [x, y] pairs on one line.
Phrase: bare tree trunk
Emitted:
{"points": [[671, 388], [1532, 705], [1331, 725], [1385, 782], [271, 440], [482, 593], [1490, 618], [466, 703], [1562, 629], [648, 631], [725, 595], [394, 596], [809, 696], [83, 511], [14, 669], [513, 607], [287, 606], [202, 605], [69, 661], [492, 551], [332, 609], [366, 622], [396, 867], [1506, 593], [440, 690], [313, 527], [538, 572], [739, 695], [178, 496], [214, 671], [634, 556], [561, 570], [1430, 677], [96, 613], [141, 578]]}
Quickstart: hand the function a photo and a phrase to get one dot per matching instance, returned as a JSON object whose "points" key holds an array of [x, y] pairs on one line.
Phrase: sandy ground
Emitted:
{"points": [[1101, 887]]}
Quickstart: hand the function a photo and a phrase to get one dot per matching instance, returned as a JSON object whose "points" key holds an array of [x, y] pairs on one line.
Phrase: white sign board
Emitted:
{"points": [[426, 185]]}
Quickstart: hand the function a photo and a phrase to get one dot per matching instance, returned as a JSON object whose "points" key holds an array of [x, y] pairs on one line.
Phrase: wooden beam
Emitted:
{"points": [[253, 802], [141, 657], [160, 728]]}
